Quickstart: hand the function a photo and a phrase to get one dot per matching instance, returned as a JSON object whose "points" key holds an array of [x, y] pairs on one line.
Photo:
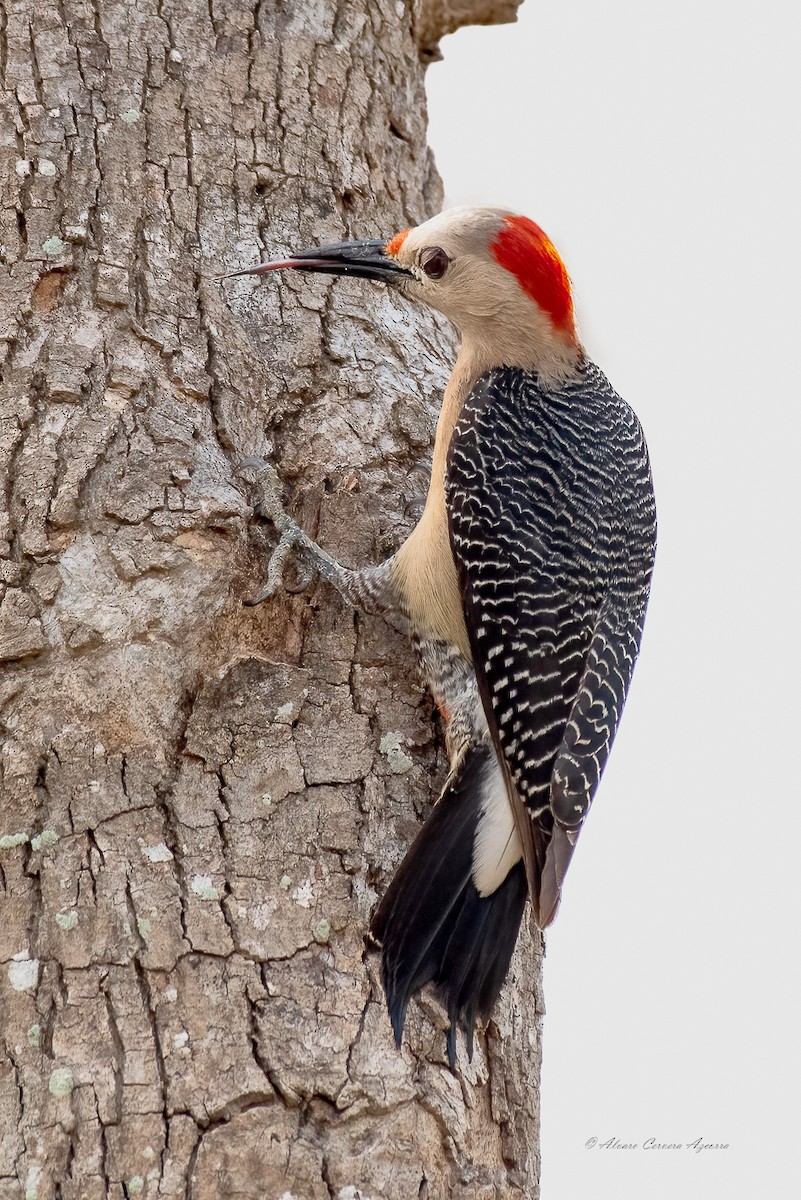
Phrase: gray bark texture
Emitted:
{"points": [[201, 801]]}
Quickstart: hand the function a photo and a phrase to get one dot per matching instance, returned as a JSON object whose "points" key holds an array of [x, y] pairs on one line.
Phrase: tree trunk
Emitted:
{"points": [[202, 801]]}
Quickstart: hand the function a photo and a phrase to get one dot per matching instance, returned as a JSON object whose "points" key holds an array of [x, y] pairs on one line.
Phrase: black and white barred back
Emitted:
{"points": [[553, 525]]}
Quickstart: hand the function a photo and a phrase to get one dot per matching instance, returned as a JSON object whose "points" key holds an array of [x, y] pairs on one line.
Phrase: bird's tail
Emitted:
{"points": [[433, 926]]}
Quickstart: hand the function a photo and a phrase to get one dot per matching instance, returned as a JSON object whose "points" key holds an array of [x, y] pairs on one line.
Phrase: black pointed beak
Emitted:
{"points": [[364, 260]]}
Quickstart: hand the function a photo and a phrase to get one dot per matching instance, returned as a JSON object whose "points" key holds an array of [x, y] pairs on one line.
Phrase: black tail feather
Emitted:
{"points": [[434, 927]]}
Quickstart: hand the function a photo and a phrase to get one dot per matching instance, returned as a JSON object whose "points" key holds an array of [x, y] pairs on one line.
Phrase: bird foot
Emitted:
{"points": [[264, 476]]}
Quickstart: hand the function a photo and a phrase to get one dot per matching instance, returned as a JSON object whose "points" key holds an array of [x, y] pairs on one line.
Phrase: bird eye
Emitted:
{"points": [[434, 262]]}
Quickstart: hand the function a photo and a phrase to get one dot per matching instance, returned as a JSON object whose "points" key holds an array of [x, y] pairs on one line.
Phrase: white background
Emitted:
{"points": [[657, 145]]}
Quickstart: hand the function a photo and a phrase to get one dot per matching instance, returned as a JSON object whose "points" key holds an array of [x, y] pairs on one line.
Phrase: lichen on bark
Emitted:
{"points": [[196, 812]]}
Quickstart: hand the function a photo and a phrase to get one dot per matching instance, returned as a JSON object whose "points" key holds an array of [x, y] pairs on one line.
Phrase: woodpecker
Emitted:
{"points": [[525, 585]]}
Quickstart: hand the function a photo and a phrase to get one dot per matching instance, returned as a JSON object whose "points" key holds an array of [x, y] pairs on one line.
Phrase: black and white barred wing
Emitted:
{"points": [[553, 641], [594, 717], [585, 745]]}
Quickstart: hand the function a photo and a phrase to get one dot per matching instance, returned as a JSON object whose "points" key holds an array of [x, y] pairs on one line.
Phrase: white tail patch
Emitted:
{"points": [[497, 846]]}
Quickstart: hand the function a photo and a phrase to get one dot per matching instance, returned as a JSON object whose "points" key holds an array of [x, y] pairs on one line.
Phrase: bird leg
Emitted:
{"points": [[370, 589]]}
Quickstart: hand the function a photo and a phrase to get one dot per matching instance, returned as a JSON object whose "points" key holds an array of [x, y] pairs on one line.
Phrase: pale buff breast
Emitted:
{"points": [[425, 577], [424, 572]]}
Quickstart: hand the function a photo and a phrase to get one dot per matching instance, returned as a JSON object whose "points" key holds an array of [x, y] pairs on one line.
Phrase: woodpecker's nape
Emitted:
{"points": [[525, 585]]}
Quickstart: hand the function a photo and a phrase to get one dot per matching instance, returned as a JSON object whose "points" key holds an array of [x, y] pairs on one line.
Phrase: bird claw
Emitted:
{"points": [[265, 477]]}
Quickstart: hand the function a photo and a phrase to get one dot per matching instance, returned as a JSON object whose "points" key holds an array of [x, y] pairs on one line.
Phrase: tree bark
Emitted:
{"points": [[201, 801]]}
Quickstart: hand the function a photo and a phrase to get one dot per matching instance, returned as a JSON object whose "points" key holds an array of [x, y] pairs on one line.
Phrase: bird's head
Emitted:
{"points": [[496, 276]]}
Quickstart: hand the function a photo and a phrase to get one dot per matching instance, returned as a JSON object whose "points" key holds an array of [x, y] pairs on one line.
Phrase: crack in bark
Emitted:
{"points": [[118, 1062]]}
